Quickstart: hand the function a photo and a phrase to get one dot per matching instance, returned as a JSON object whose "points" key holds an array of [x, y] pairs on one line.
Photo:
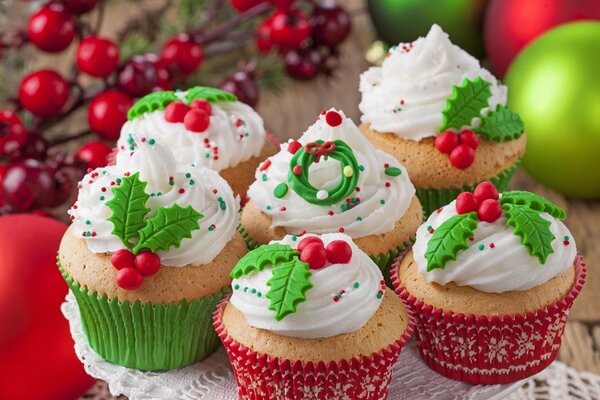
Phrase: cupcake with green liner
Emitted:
{"points": [[491, 279], [333, 180], [433, 107], [148, 257], [311, 318], [204, 126]]}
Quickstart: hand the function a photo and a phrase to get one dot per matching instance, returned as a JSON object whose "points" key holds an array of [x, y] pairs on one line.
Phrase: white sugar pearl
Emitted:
{"points": [[322, 194]]}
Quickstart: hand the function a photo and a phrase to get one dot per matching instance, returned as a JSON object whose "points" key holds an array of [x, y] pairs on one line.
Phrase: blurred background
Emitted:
{"points": [[70, 69]]}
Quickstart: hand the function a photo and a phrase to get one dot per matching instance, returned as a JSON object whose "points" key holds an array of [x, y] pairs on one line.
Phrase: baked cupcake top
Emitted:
{"points": [[494, 243], [202, 125], [309, 287], [332, 180], [408, 95], [149, 201]]}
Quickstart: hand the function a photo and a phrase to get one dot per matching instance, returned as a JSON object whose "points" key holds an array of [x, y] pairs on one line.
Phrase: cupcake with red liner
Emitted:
{"points": [[311, 318], [491, 279], [203, 126], [433, 107]]}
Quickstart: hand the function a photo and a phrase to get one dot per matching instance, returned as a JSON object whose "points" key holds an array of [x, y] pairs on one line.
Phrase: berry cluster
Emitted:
{"points": [[460, 146], [196, 117], [483, 200], [313, 251], [133, 268]]}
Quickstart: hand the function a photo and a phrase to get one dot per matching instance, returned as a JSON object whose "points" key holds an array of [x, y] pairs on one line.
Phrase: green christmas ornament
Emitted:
{"points": [[554, 85]]}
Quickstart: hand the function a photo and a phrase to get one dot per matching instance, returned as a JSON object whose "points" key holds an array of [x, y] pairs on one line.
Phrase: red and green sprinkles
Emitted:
{"points": [[281, 190]]}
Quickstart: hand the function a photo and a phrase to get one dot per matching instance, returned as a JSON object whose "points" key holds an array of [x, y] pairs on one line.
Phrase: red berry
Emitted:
{"points": [[44, 93], [203, 105], [27, 185], [466, 203], [469, 138], [108, 112], [196, 120], [51, 28], [330, 24], [462, 156], [13, 135], [243, 5], [308, 240], [333, 118], [263, 37], [129, 278], [137, 77], [183, 53], [338, 252], [94, 154], [80, 6], [294, 146], [314, 254], [122, 258], [289, 28], [489, 210], [446, 141], [243, 85], [175, 112], [282, 4], [147, 262], [485, 190], [303, 64], [97, 56]]}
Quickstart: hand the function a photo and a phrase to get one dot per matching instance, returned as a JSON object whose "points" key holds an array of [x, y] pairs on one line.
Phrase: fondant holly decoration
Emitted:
{"points": [[143, 236], [448, 239], [501, 125], [257, 259], [288, 287], [465, 103]]}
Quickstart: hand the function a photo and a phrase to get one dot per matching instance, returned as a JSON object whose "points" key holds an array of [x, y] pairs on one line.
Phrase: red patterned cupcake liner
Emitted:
{"points": [[479, 349], [260, 376]]}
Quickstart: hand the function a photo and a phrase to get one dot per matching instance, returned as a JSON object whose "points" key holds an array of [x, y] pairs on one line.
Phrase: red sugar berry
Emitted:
{"points": [[308, 240], [466, 203], [338, 252], [129, 278], [446, 141], [203, 105], [333, 118], [489, 210], [314, 254], [147, 263], [196, 120], [122, 259], [469, 138], [462, 156], [485, 190], [294, 146], [175, 112]]}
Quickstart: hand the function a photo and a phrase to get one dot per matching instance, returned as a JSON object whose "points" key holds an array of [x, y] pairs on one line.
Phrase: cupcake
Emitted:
{"points": [[206, 127], [333, 180], [491, 280], [311, 318], [148, 257], [433, 107]]}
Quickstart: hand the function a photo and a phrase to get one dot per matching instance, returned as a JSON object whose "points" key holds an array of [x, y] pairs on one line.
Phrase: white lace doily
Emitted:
{"points": [[412, 379]]}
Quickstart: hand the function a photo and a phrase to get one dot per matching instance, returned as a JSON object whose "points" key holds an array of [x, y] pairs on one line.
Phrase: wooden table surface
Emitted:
{"points": [[289, 112]]}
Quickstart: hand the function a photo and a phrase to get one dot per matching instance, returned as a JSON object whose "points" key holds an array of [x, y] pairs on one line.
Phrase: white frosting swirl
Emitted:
{"points": [[383, 199], [235, 130], [319, 316], [507, 266], [193, 186], [407, 94]]}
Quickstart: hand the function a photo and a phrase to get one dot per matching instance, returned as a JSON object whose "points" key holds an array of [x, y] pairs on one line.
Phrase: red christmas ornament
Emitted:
{"points": [[51, 28], [446, 141], [182, 53], [511, 24], [485, 190], [294, 146], [308, 240], [489, 210], [466, 203], [122, 258], [43, 92], [330, 24], [203, 105], [137, 77], [243, 5], [97, 56], [108, 112], [333, 118], [129, 278], [80, 6], [462, 156], [303, 64], [34, 332], [314, 254], [175, 111], [469, 138], [13, 134], [196, 120], [147, 262], [338, 252], [94, 154], [289, 28]]}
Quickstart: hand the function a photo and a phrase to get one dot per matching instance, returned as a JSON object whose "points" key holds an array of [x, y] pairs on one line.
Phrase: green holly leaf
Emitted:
{"points": [[152, 102], [448, 239], [533, 201], [533, 230], [209, 94], [501, 125], [256, 260], [289, 284], [167, 228], [465, 103], [128, 207]]}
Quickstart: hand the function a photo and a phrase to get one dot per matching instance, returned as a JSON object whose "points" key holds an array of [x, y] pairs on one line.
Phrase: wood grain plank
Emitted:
{"points": [[580, 347]]}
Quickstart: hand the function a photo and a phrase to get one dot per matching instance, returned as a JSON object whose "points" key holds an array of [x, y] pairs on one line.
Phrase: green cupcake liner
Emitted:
{"points": [[432, 199], [147, 336], [250, 244]]}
